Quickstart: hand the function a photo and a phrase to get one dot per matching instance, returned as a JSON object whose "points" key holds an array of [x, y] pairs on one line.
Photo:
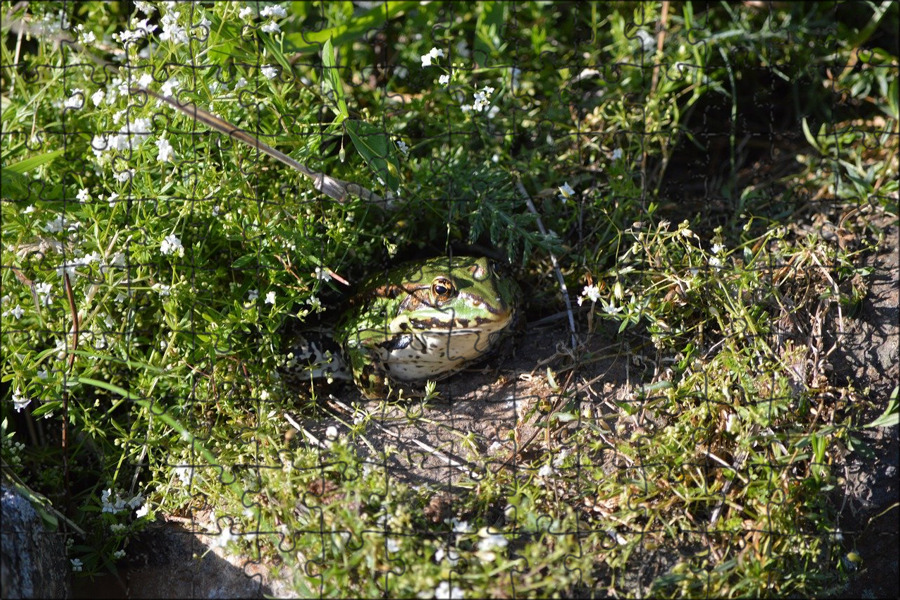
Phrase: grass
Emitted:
{"points": [[688, 238]]}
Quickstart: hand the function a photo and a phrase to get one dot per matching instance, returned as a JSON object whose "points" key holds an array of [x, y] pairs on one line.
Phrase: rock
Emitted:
{"points": [[32, 557]]}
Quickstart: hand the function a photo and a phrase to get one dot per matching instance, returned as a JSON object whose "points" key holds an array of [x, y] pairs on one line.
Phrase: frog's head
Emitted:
{"points": [[462, 295]]}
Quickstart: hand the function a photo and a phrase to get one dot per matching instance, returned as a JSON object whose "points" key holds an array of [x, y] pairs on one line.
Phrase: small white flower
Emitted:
{"points": [[20, 401], [444, 79], [117, 527], [43, 291], [83, 195], [331, 432], [488, 543], [162, 289], [111, 199], [273, 11], [29, 209], [432, 54], [566, 192], [252, 295], [76, 565], [76, 100], [271, 27], [165, 150], [145, 80], [270, 298], [715, 261], [393, 545], [451, 555], [97, 97], [617, 154], [482, 100], [445, 592], [545, 472], [144, 7], [270, 72], [322, 274], [124, 176], [245, 12], [17, 312], [170, 87], [590, 292], [403, 147], [171, 245], [240, 83], [610, 308], [717, 248]]}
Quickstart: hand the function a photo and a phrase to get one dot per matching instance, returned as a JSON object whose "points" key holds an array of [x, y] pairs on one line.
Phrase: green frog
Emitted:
{"points": [[425, 320]]}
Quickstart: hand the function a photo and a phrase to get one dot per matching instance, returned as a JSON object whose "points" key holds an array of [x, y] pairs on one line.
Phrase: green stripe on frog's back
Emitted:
{"points": [[425, 319]]}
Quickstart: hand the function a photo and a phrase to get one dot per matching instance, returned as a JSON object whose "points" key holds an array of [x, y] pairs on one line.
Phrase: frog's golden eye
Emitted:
{"points": [[442, 289]]}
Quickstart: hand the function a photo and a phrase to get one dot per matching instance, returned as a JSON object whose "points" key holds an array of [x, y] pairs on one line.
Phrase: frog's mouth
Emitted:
{"points": [[456, 326]]}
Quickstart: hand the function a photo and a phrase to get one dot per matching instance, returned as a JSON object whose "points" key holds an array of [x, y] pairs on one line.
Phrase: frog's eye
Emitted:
{"points": [[442, 289]]}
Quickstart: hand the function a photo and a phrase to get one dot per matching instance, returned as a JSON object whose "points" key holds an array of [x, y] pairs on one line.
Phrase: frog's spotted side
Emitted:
{"points": [[425, 320]]}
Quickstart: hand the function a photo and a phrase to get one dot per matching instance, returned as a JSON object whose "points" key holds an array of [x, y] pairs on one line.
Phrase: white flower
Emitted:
{"points": [[488, 543], [273, 11], [271, 27], [331, 432], [270, 72], [97, 97], [143, 511], [117, 527], [43, 291], [17, 312], [145, 80], [172, 30], [451, 555], [56, 225], [161, 289], [83, 195], [124, 176], [432, 54], [222, 540], [717, 248], [171, 245], [403, 147], [118, 554], [590, 292], [444, 79], [165, 150], [170, 86], [715, 261], [29, 209], [617, 154], [482, 98], [112, 199], [253, 295], [240, 83], [322, 274], [393, 545], [144, 7], [136, 502], [444, 592], [545, 472], [76, 565], [610, 308], [245, 12], [184, 473], [270, 298], [20, 401], [566, 192], [76, 100]]}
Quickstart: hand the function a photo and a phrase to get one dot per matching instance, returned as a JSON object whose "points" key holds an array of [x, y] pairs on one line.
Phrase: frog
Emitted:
{"points": [[425, 320]]}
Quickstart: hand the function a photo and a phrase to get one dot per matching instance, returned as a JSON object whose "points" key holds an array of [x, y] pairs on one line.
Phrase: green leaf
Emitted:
{"points": [[489, 30], [103, 386], [331, 81], [890, 417], [33, 162], [13, 186], [307, 42], [375, 147]]}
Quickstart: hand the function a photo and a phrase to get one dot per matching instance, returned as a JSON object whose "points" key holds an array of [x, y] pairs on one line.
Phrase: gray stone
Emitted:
{"points": [[32, 557]]}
